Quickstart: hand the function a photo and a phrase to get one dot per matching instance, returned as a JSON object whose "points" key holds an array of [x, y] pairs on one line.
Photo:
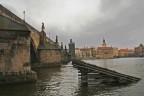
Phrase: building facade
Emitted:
{"points": [[139, 51], [125, 52], [78, 53], [86, 53], [93, 52], [105, 52], [115, 52]]}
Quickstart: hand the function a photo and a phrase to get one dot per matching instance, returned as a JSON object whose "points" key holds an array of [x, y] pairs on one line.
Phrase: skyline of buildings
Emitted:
{"points": [[107, 52]]}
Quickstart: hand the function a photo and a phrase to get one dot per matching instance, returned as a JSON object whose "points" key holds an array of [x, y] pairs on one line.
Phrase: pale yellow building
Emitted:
{"points": [[83, 53], [86, 53], [78, 53], [125, 52], [105, 52], [115, 52]]}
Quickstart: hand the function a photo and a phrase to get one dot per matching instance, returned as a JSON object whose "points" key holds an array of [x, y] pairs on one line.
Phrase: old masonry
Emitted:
{"points": [[23, 47]]}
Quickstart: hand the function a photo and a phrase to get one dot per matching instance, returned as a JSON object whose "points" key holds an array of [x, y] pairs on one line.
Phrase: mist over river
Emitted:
{"points": [[64, 81]]}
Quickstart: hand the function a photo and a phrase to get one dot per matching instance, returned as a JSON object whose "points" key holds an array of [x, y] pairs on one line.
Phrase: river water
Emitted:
{"points": [[64, 81]]}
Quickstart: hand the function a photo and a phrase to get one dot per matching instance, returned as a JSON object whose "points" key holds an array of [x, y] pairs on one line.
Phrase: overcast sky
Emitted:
{"points": [[87, 22]]}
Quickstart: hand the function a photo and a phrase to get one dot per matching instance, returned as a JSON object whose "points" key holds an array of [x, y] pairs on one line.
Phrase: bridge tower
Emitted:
{"points": [[72, 49]]}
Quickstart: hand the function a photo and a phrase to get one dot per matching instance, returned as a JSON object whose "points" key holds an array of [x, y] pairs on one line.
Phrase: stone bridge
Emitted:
{"points": [[41, 47], [22, 46]]}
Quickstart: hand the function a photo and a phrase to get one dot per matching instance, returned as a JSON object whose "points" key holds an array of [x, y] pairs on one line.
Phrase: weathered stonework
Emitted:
{"points": [[17, 77], [35, 37], [37, 41], [49, 53], [14, 51], [49, 56], [15, 54]]}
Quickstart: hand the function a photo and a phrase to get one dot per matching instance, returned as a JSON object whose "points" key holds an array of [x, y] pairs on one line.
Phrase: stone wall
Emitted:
{"points": [[15, 57], [49, 56], [14, 51], [34, 33], [17, 77]]}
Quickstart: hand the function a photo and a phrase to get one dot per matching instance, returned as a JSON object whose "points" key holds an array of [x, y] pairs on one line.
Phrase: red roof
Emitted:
{"points": [[77, 49], [105, 48], [85, 49], [126, 50]]}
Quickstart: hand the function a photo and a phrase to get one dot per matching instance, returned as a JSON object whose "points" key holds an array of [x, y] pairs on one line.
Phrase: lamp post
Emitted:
{"points": [[142, 51], [24, 15]]}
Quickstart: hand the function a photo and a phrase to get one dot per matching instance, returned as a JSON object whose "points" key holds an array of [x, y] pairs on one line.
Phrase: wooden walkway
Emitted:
{"points": [[90, 72]]}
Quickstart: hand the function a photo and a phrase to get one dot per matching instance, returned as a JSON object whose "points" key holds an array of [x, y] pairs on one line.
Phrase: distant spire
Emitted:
{"points": [[61, 45], [56, 39], [65, 48], [104, 41]]}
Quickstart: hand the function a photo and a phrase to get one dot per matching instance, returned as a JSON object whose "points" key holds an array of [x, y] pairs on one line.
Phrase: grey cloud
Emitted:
{"points": [[119, 21], [125, 30]]}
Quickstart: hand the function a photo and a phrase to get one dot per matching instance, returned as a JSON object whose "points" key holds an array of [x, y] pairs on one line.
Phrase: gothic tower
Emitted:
{"points": [[72, 49]]}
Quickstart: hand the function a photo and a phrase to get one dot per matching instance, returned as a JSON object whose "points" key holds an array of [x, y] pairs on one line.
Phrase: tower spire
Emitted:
{"points": [[104, 43], [65, 48], [56, 39], [61, 45]]}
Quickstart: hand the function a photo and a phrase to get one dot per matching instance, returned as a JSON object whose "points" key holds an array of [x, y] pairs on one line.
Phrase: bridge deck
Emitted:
{"points": [[103, 72]]}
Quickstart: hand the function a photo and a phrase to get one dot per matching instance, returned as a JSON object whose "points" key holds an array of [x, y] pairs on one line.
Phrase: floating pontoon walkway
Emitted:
{"points": [[98, 74]]}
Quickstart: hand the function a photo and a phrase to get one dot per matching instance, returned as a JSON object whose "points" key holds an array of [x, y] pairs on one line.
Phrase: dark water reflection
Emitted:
{"points": [[64, 81]]}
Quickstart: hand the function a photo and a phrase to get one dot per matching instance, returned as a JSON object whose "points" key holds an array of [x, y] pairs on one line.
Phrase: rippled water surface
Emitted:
{"points": [[64, 81]]}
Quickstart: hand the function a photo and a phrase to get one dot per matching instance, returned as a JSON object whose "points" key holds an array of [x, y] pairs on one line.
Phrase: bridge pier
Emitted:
{"points": [[15, 64], [84, 79]]}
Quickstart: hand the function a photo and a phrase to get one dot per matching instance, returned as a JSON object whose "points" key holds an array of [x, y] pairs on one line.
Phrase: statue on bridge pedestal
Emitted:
{"points": [[43, 26], [42, 35]]}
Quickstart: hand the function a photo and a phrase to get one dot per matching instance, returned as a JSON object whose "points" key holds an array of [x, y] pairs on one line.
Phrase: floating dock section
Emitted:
{"points": [[92, 74]]}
